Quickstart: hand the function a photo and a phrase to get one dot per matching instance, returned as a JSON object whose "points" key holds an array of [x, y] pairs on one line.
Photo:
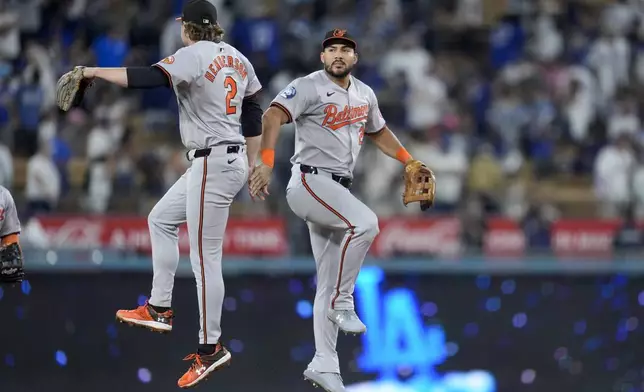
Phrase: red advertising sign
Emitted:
{"points": [[435, 236], [243, 237], [568, 237], [440, 236], [504, 237], [583, 237]]}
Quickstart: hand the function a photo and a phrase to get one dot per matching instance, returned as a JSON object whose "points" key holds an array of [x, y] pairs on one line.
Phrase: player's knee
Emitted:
{"points": [[153, 218], [368, 228]]}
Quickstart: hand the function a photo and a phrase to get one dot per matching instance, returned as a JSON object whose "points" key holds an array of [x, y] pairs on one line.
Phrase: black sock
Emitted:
{"points": [[159, 309], [207, 349]]}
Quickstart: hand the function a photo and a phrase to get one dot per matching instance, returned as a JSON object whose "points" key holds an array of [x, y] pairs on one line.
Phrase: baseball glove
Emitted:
{"points": [[71, 89], [11, 269], [420, 184]]}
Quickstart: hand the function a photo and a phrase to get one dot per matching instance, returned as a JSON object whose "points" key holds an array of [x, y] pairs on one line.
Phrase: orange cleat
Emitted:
{"points": [[146, 317], [203, 365]]}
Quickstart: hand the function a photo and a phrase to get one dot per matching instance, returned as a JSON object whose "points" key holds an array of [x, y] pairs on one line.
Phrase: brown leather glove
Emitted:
{"points": [[420, 184], [71, 88]]}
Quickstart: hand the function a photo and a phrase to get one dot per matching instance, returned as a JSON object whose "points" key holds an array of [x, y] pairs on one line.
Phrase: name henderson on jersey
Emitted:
{"points": [[209, 121], [225, 62]]}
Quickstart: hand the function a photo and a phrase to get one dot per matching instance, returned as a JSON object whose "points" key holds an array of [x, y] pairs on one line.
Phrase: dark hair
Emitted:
{"points": [[197, 32]]}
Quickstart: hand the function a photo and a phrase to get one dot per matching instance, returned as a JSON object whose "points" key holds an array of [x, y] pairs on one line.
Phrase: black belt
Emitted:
{"points": [[344, 181], [232, 149]]}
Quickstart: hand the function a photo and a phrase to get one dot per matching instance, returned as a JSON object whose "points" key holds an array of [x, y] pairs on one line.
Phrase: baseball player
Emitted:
{"points": [[332, 111], [216, 89], [11, 265]]}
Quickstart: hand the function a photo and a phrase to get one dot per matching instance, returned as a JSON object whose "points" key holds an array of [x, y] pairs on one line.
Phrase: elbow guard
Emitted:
{"points": [[251, 117]]}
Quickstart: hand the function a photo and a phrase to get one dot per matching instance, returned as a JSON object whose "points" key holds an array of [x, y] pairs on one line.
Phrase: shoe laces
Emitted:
{"points": [[196, 358], [348, 314], [142, 309], [145, 306]]}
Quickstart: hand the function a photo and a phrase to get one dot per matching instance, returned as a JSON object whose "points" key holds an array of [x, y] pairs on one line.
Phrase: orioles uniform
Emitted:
{"points": [[211, 80], [333, 112], [11, 261], [330, 124], [9, 222]]}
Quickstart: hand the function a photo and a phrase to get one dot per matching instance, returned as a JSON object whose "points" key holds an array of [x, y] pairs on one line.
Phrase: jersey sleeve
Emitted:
{"points": [[9, 223], [296, 98], [254, 85], [375, 121], [182, 67]]}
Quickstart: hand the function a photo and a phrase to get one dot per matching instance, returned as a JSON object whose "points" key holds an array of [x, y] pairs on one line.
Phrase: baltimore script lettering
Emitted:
{"points": [[350, 115]]}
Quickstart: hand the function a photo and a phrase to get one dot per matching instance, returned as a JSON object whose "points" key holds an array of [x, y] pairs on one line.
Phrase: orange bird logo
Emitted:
{"points": [[168, 60], [339, 33]]}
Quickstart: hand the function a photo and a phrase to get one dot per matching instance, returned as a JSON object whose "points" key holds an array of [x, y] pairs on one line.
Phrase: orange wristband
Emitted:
{"points": [[402, 155], [10, 239], [268, 157]]}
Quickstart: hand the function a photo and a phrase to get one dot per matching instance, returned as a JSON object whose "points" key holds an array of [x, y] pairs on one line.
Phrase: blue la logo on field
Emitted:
{"points": [[288, 92]]}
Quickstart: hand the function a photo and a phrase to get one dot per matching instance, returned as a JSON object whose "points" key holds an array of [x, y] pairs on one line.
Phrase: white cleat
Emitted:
{"points": [[348, 321], [330, 382]]}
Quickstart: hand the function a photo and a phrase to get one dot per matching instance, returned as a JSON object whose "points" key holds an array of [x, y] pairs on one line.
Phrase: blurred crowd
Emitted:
{"points": [[522, 108]]}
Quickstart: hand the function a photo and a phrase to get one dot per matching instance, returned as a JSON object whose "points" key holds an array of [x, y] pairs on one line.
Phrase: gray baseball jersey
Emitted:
{"points": [[330, 122], [210, 81], [9, 223]]}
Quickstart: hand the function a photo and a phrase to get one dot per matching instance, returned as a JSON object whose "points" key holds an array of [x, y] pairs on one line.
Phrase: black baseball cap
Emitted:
{"points": [[201, 12], [339, 36]]}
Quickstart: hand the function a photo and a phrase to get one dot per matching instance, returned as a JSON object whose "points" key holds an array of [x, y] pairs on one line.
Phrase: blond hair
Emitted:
{"points": [[197, 32]]}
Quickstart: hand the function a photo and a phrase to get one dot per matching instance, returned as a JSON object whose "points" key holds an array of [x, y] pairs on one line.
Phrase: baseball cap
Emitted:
{"points": [[337, 36], [201, 12]]}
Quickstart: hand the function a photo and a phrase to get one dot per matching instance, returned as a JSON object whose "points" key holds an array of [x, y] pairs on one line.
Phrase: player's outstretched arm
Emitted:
{"points": [[72, 86], [389, 144], [419, 180], [130, 77], [272, 120]]}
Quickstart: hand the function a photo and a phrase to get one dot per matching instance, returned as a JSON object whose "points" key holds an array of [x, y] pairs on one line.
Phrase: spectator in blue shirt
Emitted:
{"points": [[30, 98], [258, 37], [61, 154], [111, 49], [506, 42]]}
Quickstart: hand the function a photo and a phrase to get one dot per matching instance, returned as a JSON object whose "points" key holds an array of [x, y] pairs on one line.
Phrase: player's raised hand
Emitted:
{"points": [[259, 180]]}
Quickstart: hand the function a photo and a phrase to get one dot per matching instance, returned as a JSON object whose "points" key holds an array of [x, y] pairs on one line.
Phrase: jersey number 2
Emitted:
{"points": [[231, 86]]}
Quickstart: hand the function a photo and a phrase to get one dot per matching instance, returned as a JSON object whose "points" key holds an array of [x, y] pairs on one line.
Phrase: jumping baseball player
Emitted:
{"points": [[11, 265], [216, 89], [333, 111]]}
